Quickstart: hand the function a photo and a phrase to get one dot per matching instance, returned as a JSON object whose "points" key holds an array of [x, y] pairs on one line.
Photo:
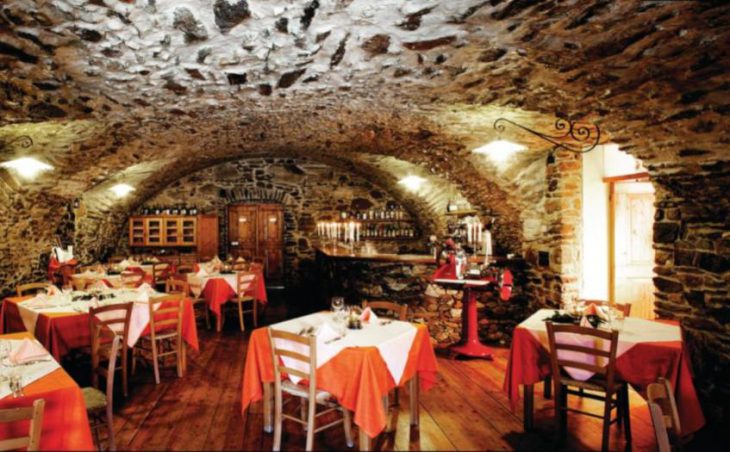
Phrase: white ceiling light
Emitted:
{"points": [[412, 183], [122, 190], [500, 150], [27, 167]]}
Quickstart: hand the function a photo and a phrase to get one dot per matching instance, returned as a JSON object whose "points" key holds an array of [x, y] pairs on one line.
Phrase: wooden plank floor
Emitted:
{"points": [[466, 410]]}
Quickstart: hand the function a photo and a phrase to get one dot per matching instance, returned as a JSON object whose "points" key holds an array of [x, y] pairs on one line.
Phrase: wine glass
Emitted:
{"points": [[338, 304]]}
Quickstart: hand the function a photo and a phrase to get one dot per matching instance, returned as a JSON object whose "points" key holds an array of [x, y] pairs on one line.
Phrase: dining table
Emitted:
{"points": [[646, 351], [65, 423], [61, 322], [358, 368], [218, 288]]}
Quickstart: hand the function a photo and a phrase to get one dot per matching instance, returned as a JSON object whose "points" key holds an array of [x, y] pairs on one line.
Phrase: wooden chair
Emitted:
{"points": [[165, 338], [35, 415], [24, 289], [624, 307], [309, 395], [660, 428], [184, 269], [603, 385], [160, 273], [116, 259], [244, 283], [114, 318], [397, 311], [178, 286], [81, 283], [99, 405], [661, 394]]}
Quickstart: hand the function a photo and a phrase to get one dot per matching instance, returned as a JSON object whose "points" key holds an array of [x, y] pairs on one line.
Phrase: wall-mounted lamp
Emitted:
{"points": [[121, 190], [412, 183]]}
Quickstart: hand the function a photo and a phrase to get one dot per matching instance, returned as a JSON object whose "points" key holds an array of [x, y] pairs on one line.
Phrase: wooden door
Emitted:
{"points": [[207, 237], [633, 255], [256, 231]]}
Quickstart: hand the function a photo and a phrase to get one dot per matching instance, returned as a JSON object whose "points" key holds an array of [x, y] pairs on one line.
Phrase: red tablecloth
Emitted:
{"points": [[357, 377], [217, 291], [65, 422], [60, 333], [644, 363]]}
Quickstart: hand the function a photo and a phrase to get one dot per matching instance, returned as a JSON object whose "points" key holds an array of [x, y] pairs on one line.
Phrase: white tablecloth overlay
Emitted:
{"points": [[114, 280], [635, 331], [30, 309], [29, 372], [393, 341], [197, 283]]}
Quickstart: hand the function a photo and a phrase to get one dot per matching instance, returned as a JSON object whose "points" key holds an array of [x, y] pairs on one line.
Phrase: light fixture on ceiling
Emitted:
{"points": [[572, 136], [27, 167], [500, 150], [412, 182], [121, 190]]}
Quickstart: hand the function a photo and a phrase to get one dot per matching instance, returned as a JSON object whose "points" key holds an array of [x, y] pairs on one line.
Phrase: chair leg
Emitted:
{"points": [[277, 417], [303, 412], [240, 315], [310, 423], [255, 314], [626, 416], [207, 315], [155, 362], [95, 431], [180, 358], [110, 426], [396, 397], [547, 387], [606, 423], [125, 379], [134, 360], [347, 422]]}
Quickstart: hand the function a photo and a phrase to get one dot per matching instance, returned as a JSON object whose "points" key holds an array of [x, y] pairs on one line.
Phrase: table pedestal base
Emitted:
{"points": [[472, 349]]}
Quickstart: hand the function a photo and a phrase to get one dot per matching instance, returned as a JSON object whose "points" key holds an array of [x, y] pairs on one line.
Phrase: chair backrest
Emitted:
{"points": [[116, 259], [245, 282], [184, 269], [660, 429], [104, 336], [256, 266], [240, 266], [166, 314], [35, 415], [309, 358], [160, 272], [177, 286], [661, 394], [598, 344], [131, 278], [188, 259], [114, 319], [623, 307], [89, 268], [23, 289], [394, 310]]}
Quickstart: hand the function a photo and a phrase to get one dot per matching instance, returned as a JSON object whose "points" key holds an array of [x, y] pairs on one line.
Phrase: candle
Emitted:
{"points": [[487, 245]]}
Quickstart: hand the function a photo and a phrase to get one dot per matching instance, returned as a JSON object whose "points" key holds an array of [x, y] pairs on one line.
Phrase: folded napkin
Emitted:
{"points": [[146, 289], [98, 285], [27, 351], [202, 272], [240, 259], [52, 290], [215, 261], [125, 263], [593, 309], [368, 316], [326, 333]]}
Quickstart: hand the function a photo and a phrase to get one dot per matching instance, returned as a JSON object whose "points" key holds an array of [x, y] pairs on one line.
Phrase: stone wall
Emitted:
{"points": [[359, 280], [309, 191]]}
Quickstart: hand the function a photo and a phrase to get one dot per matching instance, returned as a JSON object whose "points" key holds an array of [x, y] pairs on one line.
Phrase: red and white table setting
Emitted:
{"points": [[65, 421], [218, 288], [646, 350], [61, 321], [357, 366]]}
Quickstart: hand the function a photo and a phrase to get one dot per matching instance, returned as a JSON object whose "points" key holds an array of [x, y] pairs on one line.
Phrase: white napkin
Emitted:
{"points": [[326, 333], [368, 316], [52, 290], [99, 285], [146, 289], [27, 351], [202, 272]]}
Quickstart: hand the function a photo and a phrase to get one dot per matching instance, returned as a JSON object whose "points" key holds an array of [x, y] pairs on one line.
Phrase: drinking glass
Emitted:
{"points": [[617, 319], [15, 382], [338, 304]]}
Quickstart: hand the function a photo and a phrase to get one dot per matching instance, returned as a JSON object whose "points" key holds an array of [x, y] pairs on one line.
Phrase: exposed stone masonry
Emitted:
{"points": [[117, 91]]}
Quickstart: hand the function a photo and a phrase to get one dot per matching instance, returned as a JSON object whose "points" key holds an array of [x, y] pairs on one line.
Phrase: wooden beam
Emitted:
{"points": [[643, 176]]}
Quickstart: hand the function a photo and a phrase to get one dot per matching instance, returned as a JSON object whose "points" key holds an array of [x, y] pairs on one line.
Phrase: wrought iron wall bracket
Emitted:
{"points": [[577, 138]]}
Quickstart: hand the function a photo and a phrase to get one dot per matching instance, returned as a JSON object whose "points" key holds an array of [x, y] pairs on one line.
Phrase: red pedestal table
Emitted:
{"points": [[469, 344]]}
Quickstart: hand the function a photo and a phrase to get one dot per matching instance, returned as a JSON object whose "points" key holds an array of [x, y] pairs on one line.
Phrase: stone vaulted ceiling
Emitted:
{"points": [[155, 89]]}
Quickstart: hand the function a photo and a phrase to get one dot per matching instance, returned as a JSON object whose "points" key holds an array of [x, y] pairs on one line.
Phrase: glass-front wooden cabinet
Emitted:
{"points": [[163, 230]]}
